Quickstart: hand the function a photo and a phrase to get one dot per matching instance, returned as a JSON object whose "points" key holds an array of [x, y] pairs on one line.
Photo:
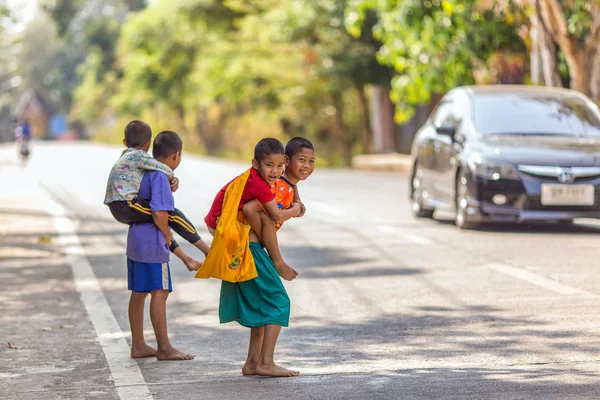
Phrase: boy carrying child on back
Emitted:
{"points": [[262, 303], [148, 255], [299, 165], [124, 183]]}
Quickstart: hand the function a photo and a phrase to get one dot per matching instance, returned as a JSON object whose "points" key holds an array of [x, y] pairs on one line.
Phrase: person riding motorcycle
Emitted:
{"points": [[23, 137]]}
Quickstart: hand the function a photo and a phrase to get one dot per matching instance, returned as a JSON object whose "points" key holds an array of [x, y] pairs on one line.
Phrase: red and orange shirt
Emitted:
{"points": [[256, 188], [284, 195]]}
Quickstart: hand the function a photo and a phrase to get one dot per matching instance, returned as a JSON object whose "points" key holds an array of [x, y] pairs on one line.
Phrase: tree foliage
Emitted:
{"points": [[574, 26], [435, 45], [231, 70]]}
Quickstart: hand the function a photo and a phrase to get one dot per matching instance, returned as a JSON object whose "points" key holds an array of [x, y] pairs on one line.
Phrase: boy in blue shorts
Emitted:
{"points": [[148, 255], [123, 186]]}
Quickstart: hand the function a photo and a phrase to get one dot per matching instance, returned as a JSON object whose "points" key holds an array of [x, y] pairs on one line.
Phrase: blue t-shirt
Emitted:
{"points": [[145, 242]]}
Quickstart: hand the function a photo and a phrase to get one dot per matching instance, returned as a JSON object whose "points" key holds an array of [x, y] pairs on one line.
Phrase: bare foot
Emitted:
{"points": [[249, 369], [142, 351], [192, 265], [173, 354], [285, 271], [275, 370]]}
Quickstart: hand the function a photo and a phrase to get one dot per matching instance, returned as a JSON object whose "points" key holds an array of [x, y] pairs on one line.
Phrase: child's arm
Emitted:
{"points": [[148, 162], [161, 220], [299, 201], [281, 216]]}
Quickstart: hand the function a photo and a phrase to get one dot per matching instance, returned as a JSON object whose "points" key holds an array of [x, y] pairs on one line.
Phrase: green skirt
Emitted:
{"points": [[258, 302]]}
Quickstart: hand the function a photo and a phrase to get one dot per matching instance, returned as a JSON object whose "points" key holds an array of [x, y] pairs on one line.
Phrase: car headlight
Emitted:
{"points": [[490, 169]]}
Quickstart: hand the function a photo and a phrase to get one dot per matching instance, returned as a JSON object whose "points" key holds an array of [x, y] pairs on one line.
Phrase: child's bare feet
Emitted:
{"points": [[249, 369], [141, 351], [173, 354], [275, 370], [192, 265], [285, 271]]}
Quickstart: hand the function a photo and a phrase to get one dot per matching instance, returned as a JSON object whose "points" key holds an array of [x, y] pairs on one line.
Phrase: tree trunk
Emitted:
{"points": [[555, 22], [366, 136], [549, 61], [209, 134], [382, 121], [547, 70], [535, 61], [595, 76], [544, 65], [342, 140], [180, 116]]}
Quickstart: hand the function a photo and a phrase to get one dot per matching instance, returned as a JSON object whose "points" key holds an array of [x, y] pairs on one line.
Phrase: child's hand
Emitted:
{"points": [[298, 207], [302, 209], [169, 238], [174, 184]]}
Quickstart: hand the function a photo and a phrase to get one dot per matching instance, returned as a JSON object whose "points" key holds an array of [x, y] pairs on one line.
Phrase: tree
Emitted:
{"points": [[313, 71], [575, 28], [288, 68], [90, 30], [46, 64], [435, 45]]}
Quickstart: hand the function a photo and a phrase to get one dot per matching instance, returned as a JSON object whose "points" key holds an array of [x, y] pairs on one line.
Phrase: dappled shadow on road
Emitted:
{"points": [[324, 257], [70, 215], [419, 352], [336, 262], [473, 352]]}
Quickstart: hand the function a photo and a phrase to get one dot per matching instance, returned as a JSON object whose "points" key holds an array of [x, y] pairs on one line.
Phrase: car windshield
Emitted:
{"points": [[535, 114]]}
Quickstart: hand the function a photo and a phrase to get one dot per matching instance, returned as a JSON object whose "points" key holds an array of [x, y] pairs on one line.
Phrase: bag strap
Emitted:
{"points": [[233, 196]]}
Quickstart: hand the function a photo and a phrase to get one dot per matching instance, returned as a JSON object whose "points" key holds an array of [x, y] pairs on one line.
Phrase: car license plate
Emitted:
{"points": [[567, 195]]}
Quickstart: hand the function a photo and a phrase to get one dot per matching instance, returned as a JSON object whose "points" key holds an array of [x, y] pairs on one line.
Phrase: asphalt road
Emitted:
{"points": [[385, 307]]}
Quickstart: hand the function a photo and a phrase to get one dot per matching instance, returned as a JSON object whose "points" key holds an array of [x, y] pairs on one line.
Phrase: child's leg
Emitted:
{"points": [[264, 228], [139, 347], [138, 212], [129, 212], [267, 365], [158, 315], [190, 263], [257, 335], [184, 228], [252, 213]]}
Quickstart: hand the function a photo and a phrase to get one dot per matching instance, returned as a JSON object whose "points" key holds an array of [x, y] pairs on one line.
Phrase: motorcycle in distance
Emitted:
{"points": [[23, 138], [24, 152]]}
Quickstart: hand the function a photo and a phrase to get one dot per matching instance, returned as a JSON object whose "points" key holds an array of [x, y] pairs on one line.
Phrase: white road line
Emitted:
{"points": [[540, 280], [401, 232], [126, 374]]}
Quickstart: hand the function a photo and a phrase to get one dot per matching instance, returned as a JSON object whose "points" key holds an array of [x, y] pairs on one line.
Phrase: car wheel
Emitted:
{"points": [[461, 217], [416, 197]]}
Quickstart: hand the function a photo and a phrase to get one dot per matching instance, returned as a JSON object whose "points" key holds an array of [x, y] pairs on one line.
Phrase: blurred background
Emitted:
{"points": [[354, 76]]}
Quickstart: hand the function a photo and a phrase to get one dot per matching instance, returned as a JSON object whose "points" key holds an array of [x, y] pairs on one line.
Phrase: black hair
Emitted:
{"points": [[266, 147], [166, 143], [296, 144], [137, 133]]}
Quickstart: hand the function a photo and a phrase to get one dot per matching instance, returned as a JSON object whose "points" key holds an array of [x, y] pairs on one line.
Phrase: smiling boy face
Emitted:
{"points": [[270, 167], [301, 165]]}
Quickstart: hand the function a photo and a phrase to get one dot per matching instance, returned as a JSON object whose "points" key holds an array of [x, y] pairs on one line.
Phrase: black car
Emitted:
{"points": [[506, 153]]}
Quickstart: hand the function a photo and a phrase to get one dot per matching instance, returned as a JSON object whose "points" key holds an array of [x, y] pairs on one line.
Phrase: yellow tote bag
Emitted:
{"points": [[229, 258]]}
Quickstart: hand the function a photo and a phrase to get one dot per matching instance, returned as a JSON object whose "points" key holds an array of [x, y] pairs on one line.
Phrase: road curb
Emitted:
{"points": [[395, 162]]}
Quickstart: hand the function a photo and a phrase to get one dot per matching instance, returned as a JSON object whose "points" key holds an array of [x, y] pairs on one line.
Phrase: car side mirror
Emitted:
{"points": [[447, 130]]}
